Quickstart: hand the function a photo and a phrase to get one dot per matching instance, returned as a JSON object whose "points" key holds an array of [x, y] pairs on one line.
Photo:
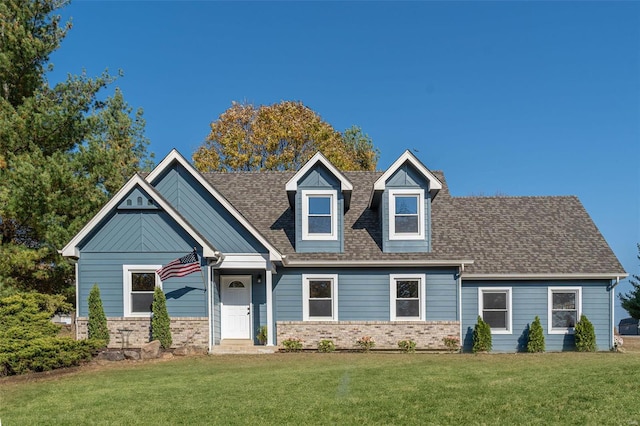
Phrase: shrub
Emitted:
{"points": [[262, 334], [408, 346], [535, 341], [326, 346], [97, 326], [585, 335], [28, 338], [481, 337], [160, 322], [366, 343], [452, 343], [292, 344]]}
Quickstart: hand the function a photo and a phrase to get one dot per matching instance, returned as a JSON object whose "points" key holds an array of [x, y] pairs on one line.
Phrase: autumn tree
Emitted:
{"points": [[63, 149], [631, 301], [282, 136]]}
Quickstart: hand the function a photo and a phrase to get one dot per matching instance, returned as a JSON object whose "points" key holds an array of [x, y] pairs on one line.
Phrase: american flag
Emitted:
{"points": [[180, 267]]}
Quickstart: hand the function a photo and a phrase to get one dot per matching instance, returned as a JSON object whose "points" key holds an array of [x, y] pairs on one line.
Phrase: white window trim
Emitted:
{"points": [[508, 290], [306, 193], [564, 330], [126, 280], [392, 214], [305, 296], [422, 289]]}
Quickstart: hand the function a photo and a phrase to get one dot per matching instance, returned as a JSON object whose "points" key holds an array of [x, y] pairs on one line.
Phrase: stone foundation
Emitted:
{"points": [[184, 331], [428, 335]]}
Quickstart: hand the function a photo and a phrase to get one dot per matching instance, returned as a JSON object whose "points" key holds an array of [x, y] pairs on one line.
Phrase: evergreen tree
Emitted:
{"points": [[97, 326], [160, 322], [585, 335], [481, 336], [631, 300], [63, 151], [536, 337]]}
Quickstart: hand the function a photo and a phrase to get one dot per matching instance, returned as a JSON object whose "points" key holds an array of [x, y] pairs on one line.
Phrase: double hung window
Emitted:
{"points": [[564, 309], [495, 308], [406, 214], [320, 298], [319, 215], [139, 283], [407, 297]]}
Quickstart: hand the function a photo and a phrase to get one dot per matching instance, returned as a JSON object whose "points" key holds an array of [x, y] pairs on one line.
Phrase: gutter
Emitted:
{"points": [[612, 326], [373, 263]]}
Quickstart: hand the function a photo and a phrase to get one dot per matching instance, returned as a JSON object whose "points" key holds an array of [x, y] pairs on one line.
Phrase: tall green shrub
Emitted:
{"points": [[535, 342], [481, 336], [160, 322], [585, 335], [97, 326]]}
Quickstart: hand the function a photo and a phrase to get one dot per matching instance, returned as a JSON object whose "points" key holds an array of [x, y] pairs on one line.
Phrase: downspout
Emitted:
{"points": [[460, 271], [613, 322], [75, 264]]}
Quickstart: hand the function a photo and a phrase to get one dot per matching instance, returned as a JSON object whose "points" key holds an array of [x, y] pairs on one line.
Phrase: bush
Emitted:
{"points": [[408, 346], [585, 335], [97, 326], [535, 341], [292, 344], [326, 346], [262, 334], [452, 343], [481, 337], [28, 338], [366, 343], [160, 322]]}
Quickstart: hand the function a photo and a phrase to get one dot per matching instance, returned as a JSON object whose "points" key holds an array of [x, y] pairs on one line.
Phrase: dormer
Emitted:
{"points": [[319, 194], [402, 196]]}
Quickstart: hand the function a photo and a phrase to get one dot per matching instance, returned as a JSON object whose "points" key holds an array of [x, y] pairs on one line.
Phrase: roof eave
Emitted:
{"points": [[546, 276]]}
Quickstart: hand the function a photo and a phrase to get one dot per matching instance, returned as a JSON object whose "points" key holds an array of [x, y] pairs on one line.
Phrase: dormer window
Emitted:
{"points": [[319, 218], [406, 214]]}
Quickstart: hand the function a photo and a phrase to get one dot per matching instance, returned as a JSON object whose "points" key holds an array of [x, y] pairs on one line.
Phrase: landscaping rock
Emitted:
{"points": [[189, 350], [181, 351], [167, 355], [112, 356], [134, 355], [150, 350]]}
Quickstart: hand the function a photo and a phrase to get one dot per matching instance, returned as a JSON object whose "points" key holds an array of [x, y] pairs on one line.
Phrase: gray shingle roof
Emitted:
{"points": [[502, 235]]}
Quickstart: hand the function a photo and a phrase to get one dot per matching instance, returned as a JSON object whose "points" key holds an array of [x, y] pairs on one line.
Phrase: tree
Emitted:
{"points": [[281, 136], [160, 322], [481, 336], [631, 300], [585, 335], [97, 325], [63, 150], [536, 337]]}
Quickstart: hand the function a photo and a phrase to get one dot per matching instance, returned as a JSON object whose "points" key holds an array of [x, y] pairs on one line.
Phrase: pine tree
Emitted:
{"points": [[585, 335], [631, 300], [160, 322], [97, 326], [481, 336], [536, 337]]}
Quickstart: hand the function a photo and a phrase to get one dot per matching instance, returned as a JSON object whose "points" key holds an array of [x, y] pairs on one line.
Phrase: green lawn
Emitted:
{"points": [[350, 388]]}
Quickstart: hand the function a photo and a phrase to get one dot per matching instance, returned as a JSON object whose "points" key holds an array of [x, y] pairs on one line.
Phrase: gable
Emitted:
{"points": [[179, 187]]}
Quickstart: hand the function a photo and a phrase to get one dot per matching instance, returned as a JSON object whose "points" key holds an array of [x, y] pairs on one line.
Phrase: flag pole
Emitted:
{"points": [[204, 281]]}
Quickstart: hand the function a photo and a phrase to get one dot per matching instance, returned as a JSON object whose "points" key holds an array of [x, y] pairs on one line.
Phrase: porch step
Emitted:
{"points": [[242, 349], [236, 342]]}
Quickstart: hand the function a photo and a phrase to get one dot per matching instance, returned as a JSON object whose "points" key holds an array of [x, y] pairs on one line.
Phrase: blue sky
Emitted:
{"points": [[516, 98]]}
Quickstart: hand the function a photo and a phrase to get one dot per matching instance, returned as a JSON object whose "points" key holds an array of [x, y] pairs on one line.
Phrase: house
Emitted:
{"points": [[321, 253]]}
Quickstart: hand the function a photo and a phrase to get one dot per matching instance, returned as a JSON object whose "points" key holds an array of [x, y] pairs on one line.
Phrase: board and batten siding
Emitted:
{"points": [[364, 294], [406, 177], [205, 213], [530, 298], [319, 177]]}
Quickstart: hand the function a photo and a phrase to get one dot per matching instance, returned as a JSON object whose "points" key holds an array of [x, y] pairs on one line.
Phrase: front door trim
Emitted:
{"points": [[227, 330]]}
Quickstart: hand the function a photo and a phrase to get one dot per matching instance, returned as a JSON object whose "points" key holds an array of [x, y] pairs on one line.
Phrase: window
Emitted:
{"points": [[564, 309], [406, 214], [407, 297], [494, 306], [320, 297], [319, 215], [139, 283]]}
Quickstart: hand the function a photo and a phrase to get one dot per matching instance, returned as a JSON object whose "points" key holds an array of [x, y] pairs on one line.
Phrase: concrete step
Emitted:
{"points": [[236, 342], [242, 350]]}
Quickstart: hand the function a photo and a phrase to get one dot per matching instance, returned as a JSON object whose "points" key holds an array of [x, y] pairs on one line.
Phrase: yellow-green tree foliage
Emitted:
{"points": [[282, 136]]}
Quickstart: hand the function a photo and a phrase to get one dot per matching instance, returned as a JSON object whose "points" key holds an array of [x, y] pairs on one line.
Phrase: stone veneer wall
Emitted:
{"points": [[428, 335], [184, 331]]}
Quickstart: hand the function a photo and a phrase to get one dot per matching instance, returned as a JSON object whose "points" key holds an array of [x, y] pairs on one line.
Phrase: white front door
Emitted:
{"points": [[235, 298]]}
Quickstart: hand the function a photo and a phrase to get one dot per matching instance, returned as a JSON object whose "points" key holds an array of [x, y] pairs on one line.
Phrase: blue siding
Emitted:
{"points": [[259, 304], [530, 298], [186, 296], [363, 295], [406, 177], [205, 213], [319, 177], [217, 329]]}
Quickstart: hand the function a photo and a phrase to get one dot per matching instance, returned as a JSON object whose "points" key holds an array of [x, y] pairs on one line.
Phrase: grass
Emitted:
{"points": [[346, 388]]}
